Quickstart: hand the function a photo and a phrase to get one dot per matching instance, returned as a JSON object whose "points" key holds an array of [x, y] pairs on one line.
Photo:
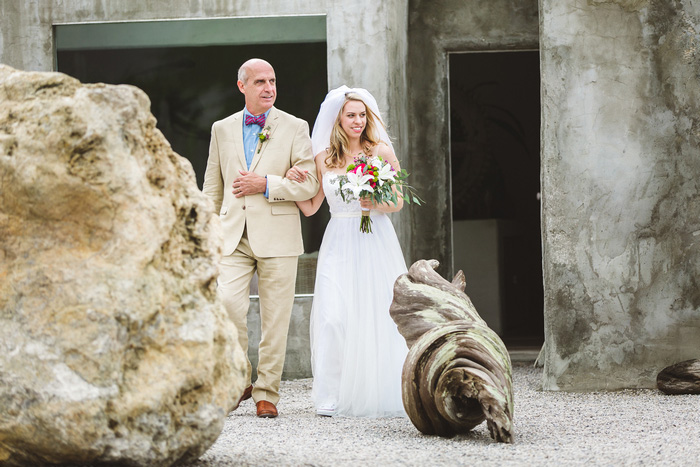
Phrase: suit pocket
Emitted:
{"points": [[288, 207]]}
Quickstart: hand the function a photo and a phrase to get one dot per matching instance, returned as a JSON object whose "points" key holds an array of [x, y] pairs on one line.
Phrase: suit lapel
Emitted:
{"points": [[238, 138], [271, 122]]}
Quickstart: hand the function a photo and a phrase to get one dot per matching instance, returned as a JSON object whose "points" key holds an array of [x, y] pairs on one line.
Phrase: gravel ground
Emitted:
{"points": [[630, 427]]}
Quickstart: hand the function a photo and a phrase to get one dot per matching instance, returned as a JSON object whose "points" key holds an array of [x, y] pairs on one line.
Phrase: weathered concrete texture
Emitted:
{"points": [[297, 362], [629, 5], [26, 35], [113, 344], [376, 61], [435, 29], [621, 211]]}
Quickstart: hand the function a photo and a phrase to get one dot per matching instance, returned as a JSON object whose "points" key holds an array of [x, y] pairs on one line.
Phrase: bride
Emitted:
{"points": [[357, 352]]}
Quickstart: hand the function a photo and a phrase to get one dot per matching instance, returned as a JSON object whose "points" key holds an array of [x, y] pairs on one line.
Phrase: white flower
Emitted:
{"points": [[358, 183], [375, 162], [385, 174]]}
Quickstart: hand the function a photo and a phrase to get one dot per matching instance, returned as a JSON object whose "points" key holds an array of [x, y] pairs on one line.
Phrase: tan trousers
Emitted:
{"points": [[276, 281]]}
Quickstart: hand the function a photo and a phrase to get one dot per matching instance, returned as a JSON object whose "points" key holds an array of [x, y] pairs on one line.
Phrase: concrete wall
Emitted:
{"points": [[436, 28], [297, 363], [621, 211], [27, 40]]}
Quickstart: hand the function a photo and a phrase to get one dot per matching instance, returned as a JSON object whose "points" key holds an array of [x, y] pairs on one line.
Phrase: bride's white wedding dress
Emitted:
{"points": [[357, 352]]}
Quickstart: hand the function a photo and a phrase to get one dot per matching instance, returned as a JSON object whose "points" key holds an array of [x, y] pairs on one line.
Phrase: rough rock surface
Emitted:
{"points": [[113, 345], [681, 378]]}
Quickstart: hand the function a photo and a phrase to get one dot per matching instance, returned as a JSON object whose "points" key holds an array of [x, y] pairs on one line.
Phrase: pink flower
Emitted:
{"points": [[263, 136]]}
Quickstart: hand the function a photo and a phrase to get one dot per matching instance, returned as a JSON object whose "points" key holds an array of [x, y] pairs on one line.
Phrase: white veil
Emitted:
{"points": [[330, 108]]}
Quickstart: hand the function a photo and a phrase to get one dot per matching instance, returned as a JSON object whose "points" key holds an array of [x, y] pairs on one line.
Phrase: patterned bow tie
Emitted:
{"points": [[259, 120]]}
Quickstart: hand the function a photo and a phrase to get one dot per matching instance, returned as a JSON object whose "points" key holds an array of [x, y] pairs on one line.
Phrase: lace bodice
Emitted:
{"points": [[335, 201]]}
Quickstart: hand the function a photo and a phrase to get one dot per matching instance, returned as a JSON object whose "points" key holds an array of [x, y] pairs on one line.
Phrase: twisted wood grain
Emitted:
{"points": [[458, 372]]}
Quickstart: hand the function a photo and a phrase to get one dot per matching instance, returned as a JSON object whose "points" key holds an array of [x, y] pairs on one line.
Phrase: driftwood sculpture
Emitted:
{"points": [[681, 378], [458, 372]]}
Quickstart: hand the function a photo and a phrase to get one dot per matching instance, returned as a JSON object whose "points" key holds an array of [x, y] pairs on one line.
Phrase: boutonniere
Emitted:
{"points": [[263, 136]]}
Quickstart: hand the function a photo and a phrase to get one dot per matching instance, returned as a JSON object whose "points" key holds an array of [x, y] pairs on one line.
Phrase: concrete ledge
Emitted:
{"points": [[298, 362]]}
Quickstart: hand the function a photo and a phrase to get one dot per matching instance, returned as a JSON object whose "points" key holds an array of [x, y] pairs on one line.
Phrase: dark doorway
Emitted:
{"points": [[495, 131]]}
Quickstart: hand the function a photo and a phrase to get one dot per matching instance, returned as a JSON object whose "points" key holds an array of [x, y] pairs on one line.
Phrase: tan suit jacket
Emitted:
{"points": [[273, 225]]}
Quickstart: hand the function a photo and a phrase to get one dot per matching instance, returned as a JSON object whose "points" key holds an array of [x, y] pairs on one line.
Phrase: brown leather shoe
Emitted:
{"points": [[246, 395], [266, 409]]}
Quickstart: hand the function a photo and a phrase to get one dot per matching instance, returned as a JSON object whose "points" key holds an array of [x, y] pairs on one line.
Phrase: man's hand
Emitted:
{"points": [[249, 183]]}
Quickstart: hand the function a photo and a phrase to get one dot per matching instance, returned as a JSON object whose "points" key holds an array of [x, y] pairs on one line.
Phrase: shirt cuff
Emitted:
{"points": [[267, 189]]}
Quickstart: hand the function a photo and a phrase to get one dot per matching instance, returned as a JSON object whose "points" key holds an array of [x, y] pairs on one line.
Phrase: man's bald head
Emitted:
{"points": [[256, 80], [244, 71]]}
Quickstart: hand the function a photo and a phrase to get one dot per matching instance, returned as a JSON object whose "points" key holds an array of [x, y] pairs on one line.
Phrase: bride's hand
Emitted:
{"points": [[367, 203], [296, 174]]}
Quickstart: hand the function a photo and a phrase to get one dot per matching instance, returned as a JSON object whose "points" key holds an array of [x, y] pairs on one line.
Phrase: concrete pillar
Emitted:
{"points": [[367, 48], [620, 171], [25, 36]]}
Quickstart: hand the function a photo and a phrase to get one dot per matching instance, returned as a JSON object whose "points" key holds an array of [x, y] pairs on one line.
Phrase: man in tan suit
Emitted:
{"points": [[249, 155]]}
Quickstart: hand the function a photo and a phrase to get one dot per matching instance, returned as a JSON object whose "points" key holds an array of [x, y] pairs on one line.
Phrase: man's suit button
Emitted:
{"points": [[244, 208]]}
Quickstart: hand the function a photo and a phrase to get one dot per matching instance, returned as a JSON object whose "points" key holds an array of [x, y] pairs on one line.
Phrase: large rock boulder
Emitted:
{"points": [[113, 345]]}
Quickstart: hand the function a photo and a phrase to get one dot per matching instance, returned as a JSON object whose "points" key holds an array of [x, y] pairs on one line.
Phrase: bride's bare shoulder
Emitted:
{"points": [[384, 150]]}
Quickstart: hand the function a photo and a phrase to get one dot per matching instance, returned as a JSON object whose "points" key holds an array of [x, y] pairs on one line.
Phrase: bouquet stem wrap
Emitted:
{"points": [[366, 222]]}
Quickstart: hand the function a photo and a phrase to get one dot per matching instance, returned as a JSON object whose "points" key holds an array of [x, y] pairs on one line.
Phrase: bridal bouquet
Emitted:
{"points": [[376, 179]]}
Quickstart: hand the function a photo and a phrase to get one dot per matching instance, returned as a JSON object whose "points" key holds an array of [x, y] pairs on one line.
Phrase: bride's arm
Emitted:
{"points": [[388, 155], [310, 206]]}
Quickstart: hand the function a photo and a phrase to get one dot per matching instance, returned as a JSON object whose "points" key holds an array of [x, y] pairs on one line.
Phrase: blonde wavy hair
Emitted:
{"points": [[339, 140]]}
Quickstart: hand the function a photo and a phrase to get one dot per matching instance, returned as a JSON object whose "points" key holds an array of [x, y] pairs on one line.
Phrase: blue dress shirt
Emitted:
{"points": [[251, 141]]}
